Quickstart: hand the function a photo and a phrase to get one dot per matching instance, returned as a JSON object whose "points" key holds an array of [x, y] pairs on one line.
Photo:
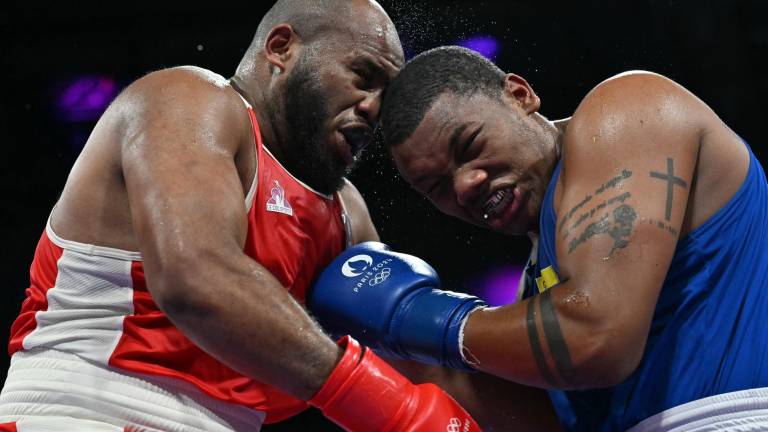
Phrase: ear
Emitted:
{"points": [[518, 89], [279, 46]]}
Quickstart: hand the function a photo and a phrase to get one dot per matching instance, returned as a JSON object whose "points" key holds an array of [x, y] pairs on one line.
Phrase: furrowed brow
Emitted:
{"points": [[453, 142], [375, 70]]}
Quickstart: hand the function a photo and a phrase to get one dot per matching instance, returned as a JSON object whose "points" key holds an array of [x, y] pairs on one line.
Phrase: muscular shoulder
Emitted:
{"points": [[359, 218], [634, 103], [178, 84], [194, 80], [175, 97], [630, 116]]}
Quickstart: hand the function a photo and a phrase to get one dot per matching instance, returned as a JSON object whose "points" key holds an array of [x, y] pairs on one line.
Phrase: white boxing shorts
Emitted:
{"points": [[48, 390]]}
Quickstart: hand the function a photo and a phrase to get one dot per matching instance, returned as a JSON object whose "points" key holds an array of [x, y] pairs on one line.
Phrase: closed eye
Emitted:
{"points": [[468, 144], [371, 74], [365, 80]]}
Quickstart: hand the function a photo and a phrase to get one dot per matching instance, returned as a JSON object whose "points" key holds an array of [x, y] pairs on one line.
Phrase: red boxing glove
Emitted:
{"points": [[365, 394]]}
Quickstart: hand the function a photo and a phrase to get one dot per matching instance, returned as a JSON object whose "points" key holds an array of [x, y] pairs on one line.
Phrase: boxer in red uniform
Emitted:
{"points": [[167, 289]]}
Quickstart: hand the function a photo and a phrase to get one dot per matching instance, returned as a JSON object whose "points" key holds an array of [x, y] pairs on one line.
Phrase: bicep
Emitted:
{"points": [[624, 199], [185, 194], [618, 246]]}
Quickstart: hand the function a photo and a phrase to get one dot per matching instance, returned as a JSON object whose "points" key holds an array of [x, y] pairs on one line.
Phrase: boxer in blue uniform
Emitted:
{"points": [[646, 292]]}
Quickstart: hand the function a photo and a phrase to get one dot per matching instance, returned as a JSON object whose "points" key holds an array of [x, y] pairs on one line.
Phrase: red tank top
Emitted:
{"points": [[93, 301]]}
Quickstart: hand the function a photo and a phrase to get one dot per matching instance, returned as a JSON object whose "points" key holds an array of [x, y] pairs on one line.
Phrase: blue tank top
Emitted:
{"points": [[709, 333]]}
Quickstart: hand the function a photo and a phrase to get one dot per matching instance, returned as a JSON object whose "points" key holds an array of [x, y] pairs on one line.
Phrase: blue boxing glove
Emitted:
{"points": [[391, 302]]}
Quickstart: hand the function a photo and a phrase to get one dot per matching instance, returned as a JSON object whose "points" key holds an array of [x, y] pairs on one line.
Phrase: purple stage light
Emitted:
{"points": [[85, 98], [499, 287], [487, 46]]}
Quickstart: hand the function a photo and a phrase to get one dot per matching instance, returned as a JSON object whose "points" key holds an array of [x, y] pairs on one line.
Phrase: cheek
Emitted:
{"points": [[339, 86], [447, 205], [438, 203], [534, 204]]}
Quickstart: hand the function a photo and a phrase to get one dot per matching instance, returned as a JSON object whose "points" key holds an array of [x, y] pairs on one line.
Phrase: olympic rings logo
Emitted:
{"points": [[380, 276], [454, 425]]}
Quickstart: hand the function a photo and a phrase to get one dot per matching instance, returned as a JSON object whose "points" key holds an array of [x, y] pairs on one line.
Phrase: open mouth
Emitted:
{"points": [[358, 138], [498, 202]]}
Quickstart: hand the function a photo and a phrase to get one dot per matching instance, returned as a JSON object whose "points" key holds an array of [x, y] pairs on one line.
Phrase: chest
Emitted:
{"points": [[293, 231]]}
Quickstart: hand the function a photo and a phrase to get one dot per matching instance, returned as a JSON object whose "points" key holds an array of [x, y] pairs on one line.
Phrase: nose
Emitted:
{"points": [[368, 107], [468, 185]]}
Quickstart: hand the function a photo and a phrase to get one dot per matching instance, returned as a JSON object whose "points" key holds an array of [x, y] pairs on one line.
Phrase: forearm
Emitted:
{"points": [[245, 318], [562, 338], [553, 340], [236, 311]]}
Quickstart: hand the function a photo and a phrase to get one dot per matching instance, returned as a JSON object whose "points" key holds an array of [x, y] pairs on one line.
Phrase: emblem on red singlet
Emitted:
{"points": [[277, 203]]}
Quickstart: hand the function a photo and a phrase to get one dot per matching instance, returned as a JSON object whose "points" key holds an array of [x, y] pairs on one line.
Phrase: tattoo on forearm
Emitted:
{"points": [[618, 225], [672, 181], [533, 337], [586, 215], [612, 183], [558, 348]]}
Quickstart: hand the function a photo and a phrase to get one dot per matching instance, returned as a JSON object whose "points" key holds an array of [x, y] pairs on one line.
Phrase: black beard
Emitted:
{"points": [[311, 159]]}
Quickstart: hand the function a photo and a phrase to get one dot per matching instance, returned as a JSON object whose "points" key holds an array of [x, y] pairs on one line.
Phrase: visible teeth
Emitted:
{"points": [[357, 139], [494, 202]]}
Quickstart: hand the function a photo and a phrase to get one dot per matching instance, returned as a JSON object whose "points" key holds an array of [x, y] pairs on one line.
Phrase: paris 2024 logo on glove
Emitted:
{"points": [[362, 266], [356, 265]]}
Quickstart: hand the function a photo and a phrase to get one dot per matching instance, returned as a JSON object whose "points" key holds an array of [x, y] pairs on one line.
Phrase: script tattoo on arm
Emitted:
{"points": [[609, 184], [588, 214], [663, 226]]}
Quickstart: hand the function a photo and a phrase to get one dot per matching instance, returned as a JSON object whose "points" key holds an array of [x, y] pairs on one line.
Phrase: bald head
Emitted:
{"points": [[315, 73], [318, 20], [309, 18]]}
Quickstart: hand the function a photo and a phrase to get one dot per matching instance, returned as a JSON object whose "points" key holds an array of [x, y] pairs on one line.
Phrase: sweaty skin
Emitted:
{"points": [[644, 162], [166, 171]]}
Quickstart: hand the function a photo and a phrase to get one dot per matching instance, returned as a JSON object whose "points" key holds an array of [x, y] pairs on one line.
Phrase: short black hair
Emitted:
{"points": [[426, 77]]}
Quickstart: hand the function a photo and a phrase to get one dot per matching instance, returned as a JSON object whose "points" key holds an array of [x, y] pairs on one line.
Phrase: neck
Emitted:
{"points": [[259, 100], [554, 131], [561, 126]]}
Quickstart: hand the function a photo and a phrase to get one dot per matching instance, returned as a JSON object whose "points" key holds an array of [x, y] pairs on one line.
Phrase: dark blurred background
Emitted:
{"points": [[62, 62]]}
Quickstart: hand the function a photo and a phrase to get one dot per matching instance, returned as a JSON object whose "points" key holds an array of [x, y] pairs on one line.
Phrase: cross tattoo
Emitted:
{"points": [[671, 182]]}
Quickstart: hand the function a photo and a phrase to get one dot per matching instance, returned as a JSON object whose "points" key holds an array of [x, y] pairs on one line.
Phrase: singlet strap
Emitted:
{"points": [[345, 219], [257, 137]]}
